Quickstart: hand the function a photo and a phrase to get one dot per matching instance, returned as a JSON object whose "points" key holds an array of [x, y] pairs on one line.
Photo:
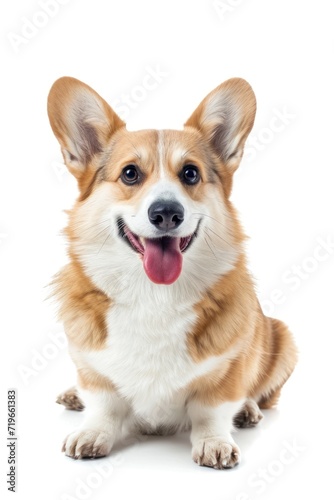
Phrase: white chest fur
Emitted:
{"points": [[146, 355]]}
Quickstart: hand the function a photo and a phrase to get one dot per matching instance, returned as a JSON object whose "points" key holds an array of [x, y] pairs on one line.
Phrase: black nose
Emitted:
{"points": [[166, 215]]}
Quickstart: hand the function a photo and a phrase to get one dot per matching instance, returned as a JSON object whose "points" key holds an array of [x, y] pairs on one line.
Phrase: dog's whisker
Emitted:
{"points": [[98, 224], [208, 235], [220, 237], [226, 215], [209, 216], [213, 253], [91, 234], [105, 241]]}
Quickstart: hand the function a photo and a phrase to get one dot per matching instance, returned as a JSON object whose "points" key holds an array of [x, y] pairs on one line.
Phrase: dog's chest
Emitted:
{"points": [[146, 355]]}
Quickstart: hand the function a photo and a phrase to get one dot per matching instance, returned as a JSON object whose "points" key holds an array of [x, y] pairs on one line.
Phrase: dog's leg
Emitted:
{"points": [[105, 412], [211, 438], [70, 399], [281, 353], [249, 416]]}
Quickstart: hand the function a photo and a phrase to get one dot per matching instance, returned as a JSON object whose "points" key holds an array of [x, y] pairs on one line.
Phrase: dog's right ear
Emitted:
{"points": [[225, 117], [82, 122]]}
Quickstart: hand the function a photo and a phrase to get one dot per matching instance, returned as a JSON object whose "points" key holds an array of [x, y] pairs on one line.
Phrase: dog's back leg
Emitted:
{"points": [[70, 399], [249, 416], [281, 359]]}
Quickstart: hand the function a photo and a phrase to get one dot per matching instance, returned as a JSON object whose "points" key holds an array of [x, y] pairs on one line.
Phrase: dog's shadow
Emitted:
{"points": [[169, 451], [247, 437]]}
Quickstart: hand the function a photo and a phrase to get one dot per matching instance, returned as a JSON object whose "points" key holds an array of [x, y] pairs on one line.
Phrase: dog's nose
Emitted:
{"points": [[166, 215]]}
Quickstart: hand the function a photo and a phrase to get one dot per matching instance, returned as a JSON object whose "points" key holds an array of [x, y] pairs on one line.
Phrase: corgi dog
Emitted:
{"points": [[160, 312]]}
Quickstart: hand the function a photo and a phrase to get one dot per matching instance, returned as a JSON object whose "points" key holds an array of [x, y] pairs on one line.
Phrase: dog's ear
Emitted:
{"points": [[82, 122], [226, 117]]}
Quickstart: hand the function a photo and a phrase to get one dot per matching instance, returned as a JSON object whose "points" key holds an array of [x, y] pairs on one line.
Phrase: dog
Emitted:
{"points": [[160, 312]]}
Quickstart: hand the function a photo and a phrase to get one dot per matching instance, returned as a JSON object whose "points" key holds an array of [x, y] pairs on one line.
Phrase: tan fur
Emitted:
{"points": [[83, 307], [92, 381], [264, 349]]}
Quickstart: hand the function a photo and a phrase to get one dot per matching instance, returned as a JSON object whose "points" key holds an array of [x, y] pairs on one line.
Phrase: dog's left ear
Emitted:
{"points": [[226, 117]]}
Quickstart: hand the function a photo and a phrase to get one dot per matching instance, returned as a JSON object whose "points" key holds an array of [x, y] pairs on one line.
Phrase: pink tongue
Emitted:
{"points": [[163, 260]]}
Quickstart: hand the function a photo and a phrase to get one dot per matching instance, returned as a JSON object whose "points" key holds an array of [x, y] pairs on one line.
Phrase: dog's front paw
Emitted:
{"points": [[89, 443], [216, 453]]}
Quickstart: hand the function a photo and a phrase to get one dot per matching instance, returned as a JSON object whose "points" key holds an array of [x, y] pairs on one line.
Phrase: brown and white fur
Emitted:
{"points": [[156, 353]]}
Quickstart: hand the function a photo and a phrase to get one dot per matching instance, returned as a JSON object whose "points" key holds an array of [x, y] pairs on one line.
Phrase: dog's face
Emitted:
{"points": [[155, 202]]}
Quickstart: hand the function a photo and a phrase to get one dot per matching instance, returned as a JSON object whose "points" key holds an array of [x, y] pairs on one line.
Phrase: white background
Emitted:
{"points": [[283, 190]]}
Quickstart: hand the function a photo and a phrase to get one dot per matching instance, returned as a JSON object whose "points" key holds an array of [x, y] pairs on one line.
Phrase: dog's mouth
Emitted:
{"points": [[162, 257]]}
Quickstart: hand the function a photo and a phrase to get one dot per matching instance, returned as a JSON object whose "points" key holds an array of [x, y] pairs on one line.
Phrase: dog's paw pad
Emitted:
{"points": [[216, 453], [88, 444]]}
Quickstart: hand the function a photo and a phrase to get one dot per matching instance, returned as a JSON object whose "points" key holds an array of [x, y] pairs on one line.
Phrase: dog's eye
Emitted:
{"points": [[130, 175], [190, 175]]}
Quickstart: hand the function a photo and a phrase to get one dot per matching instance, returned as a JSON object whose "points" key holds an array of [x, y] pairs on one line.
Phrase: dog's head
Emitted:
{"points": [[155, 202]]}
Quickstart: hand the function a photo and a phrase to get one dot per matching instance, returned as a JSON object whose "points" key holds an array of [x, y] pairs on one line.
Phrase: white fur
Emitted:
{"points": [[104, 416], [161, 151], [147, 357], [208, 422], [220, 105], [211, 437], [164, 190], [221, 108], [178, 154]]}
